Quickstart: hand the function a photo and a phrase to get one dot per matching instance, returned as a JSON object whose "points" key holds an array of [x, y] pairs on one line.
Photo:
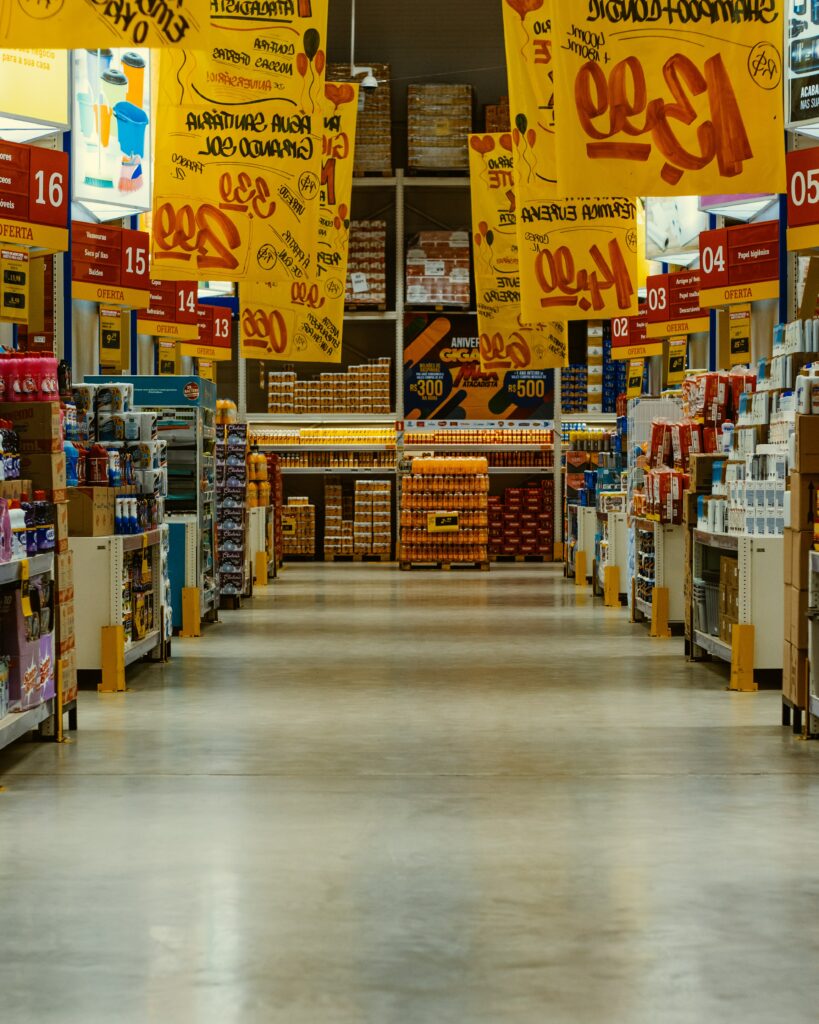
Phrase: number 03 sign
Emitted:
{"points": [[673, 99]]}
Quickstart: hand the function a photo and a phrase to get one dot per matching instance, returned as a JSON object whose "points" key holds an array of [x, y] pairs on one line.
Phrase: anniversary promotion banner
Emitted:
{"points": [[667, 98], [238, 161], [527, 28], [577, 258], [303, 320], [443, 377], [506, 342]]}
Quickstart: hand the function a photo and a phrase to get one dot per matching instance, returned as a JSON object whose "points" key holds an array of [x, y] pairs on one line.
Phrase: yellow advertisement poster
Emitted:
{"points": [[527, 28], [634, 385], [238, 162], [15, 285], [669, 99], [577, 258], [677, 360], [166, 358], [739, 333], [34, 85], [505, 342], [110, 340], [302, 321]]}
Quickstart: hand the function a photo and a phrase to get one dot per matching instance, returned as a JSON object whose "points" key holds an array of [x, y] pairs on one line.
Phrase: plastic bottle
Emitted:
{"points": [[2, 460], [133, 516], [44, 522], [31, 526], [97, 466], [30, 375], [118, 526], [64, 381], [11, 451], [49, 387], [17, 518], [114, 470], [4, 378], [5, 532], [13, 371], [72, 458]]}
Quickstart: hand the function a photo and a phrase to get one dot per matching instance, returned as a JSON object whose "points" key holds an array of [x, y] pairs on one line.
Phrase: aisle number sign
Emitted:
{"points": [[629, 337], [636, 369], [109, 265], [15, 285], [172, 311], [33, 198], [739, 264], [215, 324], [669, 99], [803, 200], [677, 360], [674, 305], [110, 328], [507, 343], [739, 334]]}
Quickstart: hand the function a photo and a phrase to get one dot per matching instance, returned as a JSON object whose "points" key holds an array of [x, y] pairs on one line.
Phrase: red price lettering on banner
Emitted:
{"points": [[180, 233], [264, 329], [583, 287], [499, 353], [245, 195], [623, 99], [302, 294]]}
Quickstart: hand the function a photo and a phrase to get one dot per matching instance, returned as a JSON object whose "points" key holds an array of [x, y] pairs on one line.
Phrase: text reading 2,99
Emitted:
{"points": [[623, 99]]}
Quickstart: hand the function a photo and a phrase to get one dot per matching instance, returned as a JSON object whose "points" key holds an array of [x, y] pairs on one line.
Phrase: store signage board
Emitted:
{"points": [[677, 360], [802, 88], [215, 335], [166, 358], [34, 89], [803, 201], [629, 337], [667, 98], [33, 198], [673, 302], [739, 334], [739, 264], [111, 152], [172, 312], [15, 285], [636, 372], [443, 379], [110, 324], [109, 265], [738, 207], [443, 522]]}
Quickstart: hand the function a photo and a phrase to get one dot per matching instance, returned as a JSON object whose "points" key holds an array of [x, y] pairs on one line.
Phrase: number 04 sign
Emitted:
{"points": [[673, 99]]}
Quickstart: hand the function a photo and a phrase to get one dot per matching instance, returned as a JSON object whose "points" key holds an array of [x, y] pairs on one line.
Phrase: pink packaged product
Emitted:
{"points": [[28, 640], [5, 532]]}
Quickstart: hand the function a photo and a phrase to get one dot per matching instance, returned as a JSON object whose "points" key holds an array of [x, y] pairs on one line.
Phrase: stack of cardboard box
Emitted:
{"points": [[521, 523], [373, 517], [299, 527], [367, 265], [439, 123], [338, 524], [497, 117], [799, 541], [373, 133], [437, 269], [728, 596]]}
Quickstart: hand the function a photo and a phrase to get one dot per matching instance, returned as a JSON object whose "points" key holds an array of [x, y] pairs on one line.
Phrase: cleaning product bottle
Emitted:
{"points": [[64, 381], [72, 458], [44, 521], [97, 466], [2, 445], [17, 518], [31, 526], [114, 470], [5, 532], [118, 516], [133, 516], [11, 451]]}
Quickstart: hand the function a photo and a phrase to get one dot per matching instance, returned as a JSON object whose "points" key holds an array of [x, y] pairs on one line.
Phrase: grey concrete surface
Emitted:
{"points": [[375, 797]]}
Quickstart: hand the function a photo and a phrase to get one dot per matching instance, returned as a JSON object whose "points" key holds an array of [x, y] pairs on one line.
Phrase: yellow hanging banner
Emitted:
{"points": [[677, 360], [238, 154], [634, 386], [505, 342], [302, 321], [527, 28], [663, 98], [577, 258]]}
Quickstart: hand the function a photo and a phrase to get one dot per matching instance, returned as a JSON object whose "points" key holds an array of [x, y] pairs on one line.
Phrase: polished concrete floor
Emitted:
{"points": [[375, 797]]}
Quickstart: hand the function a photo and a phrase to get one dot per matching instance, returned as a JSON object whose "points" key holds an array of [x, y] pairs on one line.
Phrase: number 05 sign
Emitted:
{"points": [[803, 200]]}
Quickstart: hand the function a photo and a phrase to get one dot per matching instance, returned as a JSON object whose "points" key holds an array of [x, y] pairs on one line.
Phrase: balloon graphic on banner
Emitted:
{"points": [[522, 8], [338, 95]]}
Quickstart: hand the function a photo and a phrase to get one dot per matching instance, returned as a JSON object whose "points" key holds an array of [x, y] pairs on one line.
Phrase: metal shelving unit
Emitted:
{"points": [[19, 723], [10, 571]]}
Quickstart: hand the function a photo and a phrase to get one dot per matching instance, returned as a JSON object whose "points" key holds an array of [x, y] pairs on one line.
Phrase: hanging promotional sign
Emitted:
{"points": [[111, 151], [206, 369], [803, 200], [166, 361], [444, 380], [34, 85], [739, 335], [215, 335], [110, 338], [171, 311], [34, 203], [527, 28], [15, 285], [506, 342], [666, 99], [629, 337], [109, 265], [577, 258], [802, 90], [739, 264], [238, 163], [677, 360], [673, 302], [303, 321], [636, 371]]}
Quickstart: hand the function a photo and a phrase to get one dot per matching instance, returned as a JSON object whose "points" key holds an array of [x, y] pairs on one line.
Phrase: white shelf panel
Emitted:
{"points": [[15, 725], [375, 182], [713, 645], [417, 449], [139, 648], [521, 470], [320, 418], [371, 314], [10, 571], [340, 470], [431, 181]]}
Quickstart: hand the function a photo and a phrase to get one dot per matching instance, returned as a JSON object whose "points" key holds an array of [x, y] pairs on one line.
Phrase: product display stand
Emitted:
{"points": [[612, 563], [658, 583], [813, 647]]}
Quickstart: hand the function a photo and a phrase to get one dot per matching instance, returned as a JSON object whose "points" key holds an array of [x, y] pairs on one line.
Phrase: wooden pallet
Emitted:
{"points": [[383, 173], [534, 559], [444, 566], [436, 172], [369, 557], [233, 602], [365, 307]]}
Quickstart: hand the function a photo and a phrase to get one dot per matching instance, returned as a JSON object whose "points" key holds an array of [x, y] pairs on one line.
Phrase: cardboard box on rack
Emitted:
{"points": [[702, 471], [797, 677], [61, 532], [796, 617], [91, 511], [804, 488], [801, 545], [47, 473], [37, 424], [64, 577], [807, 444], [10, 490], [70, 689]]}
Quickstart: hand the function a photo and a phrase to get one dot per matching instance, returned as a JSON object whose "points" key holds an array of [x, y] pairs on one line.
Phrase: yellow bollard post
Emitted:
{"points": [[261, 569], [580, 569], [611, 586], [191, 612], [742, 659], [659, 613], [113, 660]]}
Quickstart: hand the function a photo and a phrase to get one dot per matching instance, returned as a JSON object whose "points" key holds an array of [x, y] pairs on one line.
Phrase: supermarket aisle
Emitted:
{"points": [[391, 798]]}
